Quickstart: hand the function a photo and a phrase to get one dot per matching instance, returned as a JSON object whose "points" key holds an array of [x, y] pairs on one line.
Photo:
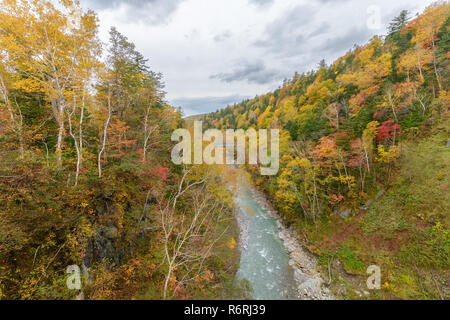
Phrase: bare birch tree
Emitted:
{"points": [[105, 132], [189, 237]]}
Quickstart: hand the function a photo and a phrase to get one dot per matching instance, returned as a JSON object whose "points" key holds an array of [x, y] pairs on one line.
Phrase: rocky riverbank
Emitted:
{"points": [[310, 284]]}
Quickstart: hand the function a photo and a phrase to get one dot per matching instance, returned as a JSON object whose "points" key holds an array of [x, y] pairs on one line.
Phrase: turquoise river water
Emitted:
{"points": [[264, 260]]}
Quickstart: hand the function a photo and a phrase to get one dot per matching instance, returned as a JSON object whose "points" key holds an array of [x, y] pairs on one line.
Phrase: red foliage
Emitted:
{"points": [[335, 199], [387, 130], [161, 172]]}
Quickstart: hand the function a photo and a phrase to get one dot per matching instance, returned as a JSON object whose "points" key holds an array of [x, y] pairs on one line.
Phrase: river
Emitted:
{"points": [[264, 261], [272, 260]]}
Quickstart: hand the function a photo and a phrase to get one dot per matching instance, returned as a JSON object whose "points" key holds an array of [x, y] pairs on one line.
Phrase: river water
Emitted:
{"points": [[264, 261]]}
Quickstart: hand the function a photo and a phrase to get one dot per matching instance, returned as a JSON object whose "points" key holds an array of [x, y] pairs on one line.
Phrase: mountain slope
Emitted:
{"points": [[348, 134]]}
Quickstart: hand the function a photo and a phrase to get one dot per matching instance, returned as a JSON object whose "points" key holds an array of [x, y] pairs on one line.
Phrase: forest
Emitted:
{"points": [[85, 171], [87, 181], [364, 157]]}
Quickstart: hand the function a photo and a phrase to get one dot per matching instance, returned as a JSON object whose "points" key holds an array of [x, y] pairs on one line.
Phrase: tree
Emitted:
{"points": [[298, 184], [105, 129], [46, 47], [188, 237], [387, 130], [443, 47], [14, 110], [129, 72], [426, 27], [398, 23]]}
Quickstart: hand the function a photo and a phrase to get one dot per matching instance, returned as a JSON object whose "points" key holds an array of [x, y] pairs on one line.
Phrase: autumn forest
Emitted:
{"points": [[86, 177]]}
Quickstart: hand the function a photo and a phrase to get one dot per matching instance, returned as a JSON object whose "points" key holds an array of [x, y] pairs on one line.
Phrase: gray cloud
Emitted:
{"points": [[148, 11], [261, 3], [300, 37], [286, 34], [320, 30], [331, 1], [222, 36], [271, 40], [355, 36], [192, 106], [253, 72]]}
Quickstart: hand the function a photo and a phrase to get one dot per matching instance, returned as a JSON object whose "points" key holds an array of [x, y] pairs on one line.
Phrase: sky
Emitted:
{"points": [[213, 53]]}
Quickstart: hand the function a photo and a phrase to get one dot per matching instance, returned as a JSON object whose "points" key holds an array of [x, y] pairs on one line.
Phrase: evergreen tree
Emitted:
{"points": [[399, 22]]}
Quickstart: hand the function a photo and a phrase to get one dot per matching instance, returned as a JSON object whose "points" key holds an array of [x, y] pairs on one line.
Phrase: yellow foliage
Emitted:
{"points": [[388, 156], [232, 244]]}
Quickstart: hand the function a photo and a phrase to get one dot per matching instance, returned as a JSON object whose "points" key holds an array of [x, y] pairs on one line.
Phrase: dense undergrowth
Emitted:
{"points": [[404, 232]]}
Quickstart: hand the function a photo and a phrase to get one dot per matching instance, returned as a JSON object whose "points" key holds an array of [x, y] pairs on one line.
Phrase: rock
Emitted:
{"points": [[103, 245], [344, 214], [380, 194], [368, 204], [310, 285], [448, 143], [111, 232], [80, 296], [371, 201]]}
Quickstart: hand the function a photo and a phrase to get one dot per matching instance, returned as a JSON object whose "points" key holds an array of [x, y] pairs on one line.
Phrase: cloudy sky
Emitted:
{"points": [[217, 52]]}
